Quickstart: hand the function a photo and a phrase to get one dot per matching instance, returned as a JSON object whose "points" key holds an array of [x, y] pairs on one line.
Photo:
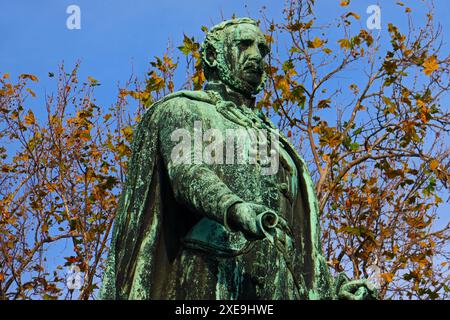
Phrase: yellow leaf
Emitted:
{"points": [[344, 3], [144, 95], [395, 249], [430, 65], [128, 131], [6, 76], [269, 38], [282, 84], [316, 43], [29, 119], [345, 43], [134, 94], [434, 164]]}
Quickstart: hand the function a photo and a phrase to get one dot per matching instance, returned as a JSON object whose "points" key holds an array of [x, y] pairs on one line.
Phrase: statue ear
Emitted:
{"points": [[211, 55]]}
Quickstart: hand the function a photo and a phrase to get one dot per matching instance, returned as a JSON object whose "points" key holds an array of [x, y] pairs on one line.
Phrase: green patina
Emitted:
{"points": [[188, 230]]}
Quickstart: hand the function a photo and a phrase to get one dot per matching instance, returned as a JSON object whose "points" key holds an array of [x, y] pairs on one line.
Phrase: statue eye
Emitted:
{"points": [[264, 49], [245, 43]]}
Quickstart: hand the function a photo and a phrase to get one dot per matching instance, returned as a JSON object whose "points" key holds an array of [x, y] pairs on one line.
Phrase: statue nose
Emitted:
{"points": [[254, 53]]}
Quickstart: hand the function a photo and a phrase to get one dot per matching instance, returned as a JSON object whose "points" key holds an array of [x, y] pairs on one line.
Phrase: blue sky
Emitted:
{"points": [[119, 36]]}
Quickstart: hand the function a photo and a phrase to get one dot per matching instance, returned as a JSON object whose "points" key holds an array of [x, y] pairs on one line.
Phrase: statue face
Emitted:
{"points": [[244, 50]]}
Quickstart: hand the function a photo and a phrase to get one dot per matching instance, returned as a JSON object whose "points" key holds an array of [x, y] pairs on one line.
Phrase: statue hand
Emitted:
{"points": [[358, 290], [242, 217]]}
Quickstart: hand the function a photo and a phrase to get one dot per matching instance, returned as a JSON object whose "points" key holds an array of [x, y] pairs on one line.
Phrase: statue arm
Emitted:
{"points": [[194, 184]]}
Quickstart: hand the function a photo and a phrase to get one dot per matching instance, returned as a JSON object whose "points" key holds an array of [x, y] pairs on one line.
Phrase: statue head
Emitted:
{"points": [[233, 52]]}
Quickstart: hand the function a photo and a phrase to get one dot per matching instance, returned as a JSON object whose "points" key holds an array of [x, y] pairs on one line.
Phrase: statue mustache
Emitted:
{"points": [[254, 64]]}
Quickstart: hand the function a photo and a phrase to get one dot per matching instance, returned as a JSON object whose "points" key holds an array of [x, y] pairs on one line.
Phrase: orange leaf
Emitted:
{"points": [[387, 276], [354, 15], [434, 164], [430, 65]]}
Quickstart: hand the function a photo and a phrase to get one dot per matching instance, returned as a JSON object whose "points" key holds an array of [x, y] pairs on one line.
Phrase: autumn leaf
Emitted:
{"points": [[170, 86], [31, 92], [324, 104], [282, 84], [29, 118], [144, 95], [387, 276], [189, 45], [345, 43], [352, 14], [92, 81], [269, 38], [316, 43], [127, 132], [28, 76], [434, 164], [344, 3], [198, 78], [123, 93], [430, 65]]}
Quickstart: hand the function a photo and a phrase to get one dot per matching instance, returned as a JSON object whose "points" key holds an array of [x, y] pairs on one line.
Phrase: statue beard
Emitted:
{"points": [[237, 83]]}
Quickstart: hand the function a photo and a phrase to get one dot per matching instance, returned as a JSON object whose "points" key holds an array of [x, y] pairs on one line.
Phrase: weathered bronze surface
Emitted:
{"points": [[219, 229]]}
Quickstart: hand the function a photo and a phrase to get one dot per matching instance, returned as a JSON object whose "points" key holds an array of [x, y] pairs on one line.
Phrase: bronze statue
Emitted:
{"points": [[198, 223]]}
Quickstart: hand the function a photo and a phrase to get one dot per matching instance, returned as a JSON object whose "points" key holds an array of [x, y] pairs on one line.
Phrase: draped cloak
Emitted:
{"points": [[159, 206]]}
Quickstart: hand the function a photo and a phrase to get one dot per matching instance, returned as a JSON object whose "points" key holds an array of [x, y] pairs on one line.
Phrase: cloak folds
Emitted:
{"points": [[149, 229]]}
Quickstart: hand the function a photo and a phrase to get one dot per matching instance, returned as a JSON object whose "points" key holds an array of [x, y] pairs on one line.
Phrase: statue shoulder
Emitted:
{"points": [[184, 96], [182, 102]]}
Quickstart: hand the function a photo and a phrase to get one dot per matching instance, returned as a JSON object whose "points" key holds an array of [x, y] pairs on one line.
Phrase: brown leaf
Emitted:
{"points": [[28, 76]]}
